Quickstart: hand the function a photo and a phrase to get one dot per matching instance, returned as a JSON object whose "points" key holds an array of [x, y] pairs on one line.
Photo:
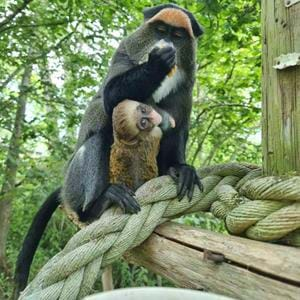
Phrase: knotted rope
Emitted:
{"points": [[71, 274], [264, 208]]}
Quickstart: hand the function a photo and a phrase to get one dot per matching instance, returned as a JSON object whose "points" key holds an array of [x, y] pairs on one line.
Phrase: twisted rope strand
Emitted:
{"points": [[233, 192]]}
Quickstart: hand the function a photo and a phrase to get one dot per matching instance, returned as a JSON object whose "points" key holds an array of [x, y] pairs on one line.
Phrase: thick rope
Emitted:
{"points": [[71, 274], [263, 208]]}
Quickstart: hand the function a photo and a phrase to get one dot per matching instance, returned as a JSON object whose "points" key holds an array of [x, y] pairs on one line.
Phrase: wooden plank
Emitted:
{"points": [[277, 261], [186, 267]]}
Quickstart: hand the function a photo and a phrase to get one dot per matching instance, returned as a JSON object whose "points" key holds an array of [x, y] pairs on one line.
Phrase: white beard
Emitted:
{"points": [[168, 84]]}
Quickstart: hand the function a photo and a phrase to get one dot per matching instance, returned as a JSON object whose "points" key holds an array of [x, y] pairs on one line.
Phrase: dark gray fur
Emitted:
{"points": [[82, 178]]}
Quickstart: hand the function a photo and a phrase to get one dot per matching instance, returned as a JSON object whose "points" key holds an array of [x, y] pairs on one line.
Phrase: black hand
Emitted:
{"points": [[161, 60], [140, 81], [122, 196], [186, 178]]}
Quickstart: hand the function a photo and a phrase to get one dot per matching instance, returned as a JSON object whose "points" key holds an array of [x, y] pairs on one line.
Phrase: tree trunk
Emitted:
{"points": [[281, 87], [11, 166]]}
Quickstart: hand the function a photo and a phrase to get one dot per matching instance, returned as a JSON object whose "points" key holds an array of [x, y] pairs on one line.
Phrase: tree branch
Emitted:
{"points": [[199, 147], [15, 13], [35, 25], [10, 77], [34, 58]]}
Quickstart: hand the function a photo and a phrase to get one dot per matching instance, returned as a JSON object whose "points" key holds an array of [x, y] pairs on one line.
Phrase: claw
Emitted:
{"points": [[199, 184]]}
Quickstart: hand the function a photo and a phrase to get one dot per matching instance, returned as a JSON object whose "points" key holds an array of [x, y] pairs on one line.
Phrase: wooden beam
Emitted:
{"points": [[191, 257], [281, 87]]}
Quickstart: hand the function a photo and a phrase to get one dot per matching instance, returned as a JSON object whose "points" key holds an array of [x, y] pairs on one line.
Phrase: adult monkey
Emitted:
{"points": [[86, 187]]}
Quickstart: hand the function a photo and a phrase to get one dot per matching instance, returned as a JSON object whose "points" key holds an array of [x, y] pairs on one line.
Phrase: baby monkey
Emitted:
{"points": [[137, 130]]}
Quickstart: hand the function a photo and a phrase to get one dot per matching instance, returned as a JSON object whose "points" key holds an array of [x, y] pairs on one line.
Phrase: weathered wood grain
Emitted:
{"points": [[273, 260], [262, 272], [281, 89]]}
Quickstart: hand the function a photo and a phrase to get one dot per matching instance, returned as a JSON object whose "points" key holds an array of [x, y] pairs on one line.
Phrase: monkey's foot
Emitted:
{"points": [[121, 195]]}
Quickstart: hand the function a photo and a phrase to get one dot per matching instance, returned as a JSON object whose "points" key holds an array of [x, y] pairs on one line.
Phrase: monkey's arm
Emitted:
{"points": [[171, 161], [139, 82], [86, 188]]}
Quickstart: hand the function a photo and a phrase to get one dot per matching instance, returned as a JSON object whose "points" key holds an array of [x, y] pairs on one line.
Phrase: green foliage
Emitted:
{"points": [[69, 43], [127, 275]]}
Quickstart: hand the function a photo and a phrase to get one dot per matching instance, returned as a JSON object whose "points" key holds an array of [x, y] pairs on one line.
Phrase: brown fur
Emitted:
{"points": [[133, 153], [175, 18]]}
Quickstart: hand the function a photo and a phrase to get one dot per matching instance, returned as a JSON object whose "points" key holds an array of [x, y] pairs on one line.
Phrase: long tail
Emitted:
{"points": [[32, 240]]}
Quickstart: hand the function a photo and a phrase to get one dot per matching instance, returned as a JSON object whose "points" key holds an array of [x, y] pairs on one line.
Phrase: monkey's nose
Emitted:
{"points": [[155, 117], [164, 43]]}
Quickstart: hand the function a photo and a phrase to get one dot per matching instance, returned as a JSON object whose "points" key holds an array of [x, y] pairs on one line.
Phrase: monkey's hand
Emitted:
{"points": [[186, 178], [161, 61], [167, 122], [121, 195]]}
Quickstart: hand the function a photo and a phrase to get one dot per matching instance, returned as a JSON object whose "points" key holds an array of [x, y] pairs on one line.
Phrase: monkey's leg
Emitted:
{"points": [[173, 163], [87, 189]]}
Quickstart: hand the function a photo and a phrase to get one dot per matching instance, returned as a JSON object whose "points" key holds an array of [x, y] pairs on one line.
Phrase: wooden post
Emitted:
{"points": [[281, 86]]}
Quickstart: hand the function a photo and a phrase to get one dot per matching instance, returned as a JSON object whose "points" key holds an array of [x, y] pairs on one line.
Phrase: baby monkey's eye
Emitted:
{"points": [[143, 109], [144, 123]]}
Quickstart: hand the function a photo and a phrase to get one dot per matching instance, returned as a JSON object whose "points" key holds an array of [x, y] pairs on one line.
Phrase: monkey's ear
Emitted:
{"points": [[152, 11], [197, 28]]}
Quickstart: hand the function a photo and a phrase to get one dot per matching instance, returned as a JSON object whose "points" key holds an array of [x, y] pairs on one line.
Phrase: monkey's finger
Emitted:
{"points": [[124, 199], [171, 63], [191, 188], [199, 183], [189, 183], [168, 57], [116, 200], [174, 174], [155, 50], [123, 189], [182, 191], [167, 53], [131, 204], [128, 190], [165, 50], [180, 183], [184, 178]]}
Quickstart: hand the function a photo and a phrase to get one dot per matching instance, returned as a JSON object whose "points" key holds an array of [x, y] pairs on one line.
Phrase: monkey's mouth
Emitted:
{"points": [[155, 118]]}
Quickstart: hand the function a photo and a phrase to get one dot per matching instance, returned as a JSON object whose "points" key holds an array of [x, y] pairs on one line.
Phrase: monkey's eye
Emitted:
{"points": [[142, 108], [178, 34], [144, 123], [161, 29]]}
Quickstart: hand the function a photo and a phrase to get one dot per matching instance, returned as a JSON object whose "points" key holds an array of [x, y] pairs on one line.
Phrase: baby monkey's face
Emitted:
{"points": [[133, 120], [146, 117]]}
